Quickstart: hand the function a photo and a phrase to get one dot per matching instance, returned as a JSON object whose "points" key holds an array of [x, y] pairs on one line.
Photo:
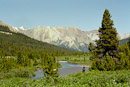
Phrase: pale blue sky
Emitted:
{"points": [[84, 14]]}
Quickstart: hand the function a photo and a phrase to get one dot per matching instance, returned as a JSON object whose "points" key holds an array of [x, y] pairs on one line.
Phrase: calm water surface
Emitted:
{"points": [[66, 69]]}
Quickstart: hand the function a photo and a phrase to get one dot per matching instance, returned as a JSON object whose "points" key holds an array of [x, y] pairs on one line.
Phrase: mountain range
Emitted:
{"points": [[67, 37], [12, 43]]}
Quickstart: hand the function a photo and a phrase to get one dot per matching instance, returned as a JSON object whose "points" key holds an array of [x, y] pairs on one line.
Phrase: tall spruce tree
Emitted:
{"points": [[108, 42]]}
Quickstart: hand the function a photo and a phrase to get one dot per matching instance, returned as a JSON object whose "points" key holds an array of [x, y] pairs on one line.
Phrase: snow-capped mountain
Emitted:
{"points": [[19, 28], [68, 37]]}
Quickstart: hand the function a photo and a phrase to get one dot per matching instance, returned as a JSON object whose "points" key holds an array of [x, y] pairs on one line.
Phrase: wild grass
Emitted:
{"points": [[24, 72], [87, 79]]}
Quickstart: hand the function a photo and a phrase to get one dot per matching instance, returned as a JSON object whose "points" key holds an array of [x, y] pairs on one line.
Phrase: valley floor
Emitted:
{"points": [[76, 59]]}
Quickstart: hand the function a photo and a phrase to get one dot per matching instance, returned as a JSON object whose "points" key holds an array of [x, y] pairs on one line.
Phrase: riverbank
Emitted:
{"points": [[24, 72], [65, 70], [80, 64], [76, 59]]}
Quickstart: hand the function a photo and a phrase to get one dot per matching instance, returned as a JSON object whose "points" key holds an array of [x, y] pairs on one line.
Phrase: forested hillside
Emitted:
{"points": [[12, 43]]}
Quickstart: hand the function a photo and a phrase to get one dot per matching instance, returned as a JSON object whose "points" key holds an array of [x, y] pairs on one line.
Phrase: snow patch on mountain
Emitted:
{"points": [[19, 28]]}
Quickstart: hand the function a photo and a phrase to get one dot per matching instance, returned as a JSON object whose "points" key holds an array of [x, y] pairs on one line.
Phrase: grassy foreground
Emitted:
{"points": [[87, 79], [24, 72]]}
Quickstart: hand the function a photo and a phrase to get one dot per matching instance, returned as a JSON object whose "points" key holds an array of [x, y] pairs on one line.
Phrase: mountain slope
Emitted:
{"points": [[67, 37], [11, 43], [124, 40], [10, 28]]}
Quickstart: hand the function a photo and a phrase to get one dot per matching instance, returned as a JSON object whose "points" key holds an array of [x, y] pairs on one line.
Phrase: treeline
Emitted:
{"points": [[25, 66], [11, 45], [7, 64], [108, 55]]}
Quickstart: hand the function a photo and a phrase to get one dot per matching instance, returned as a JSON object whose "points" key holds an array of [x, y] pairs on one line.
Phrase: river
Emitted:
{"points": [[65, 70]]}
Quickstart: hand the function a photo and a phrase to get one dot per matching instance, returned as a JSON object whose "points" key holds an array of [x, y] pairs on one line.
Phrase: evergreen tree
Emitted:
{"points": [[124, 61], [4, 65], [108, 41], [31, 56], [42, 60], [20, 58], [35, 61], [27, 62], [91, 47], [107, 47], [50, 67]]}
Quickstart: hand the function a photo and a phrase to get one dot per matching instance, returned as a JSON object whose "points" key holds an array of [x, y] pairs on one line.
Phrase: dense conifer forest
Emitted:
{"points": [[13, 43]]}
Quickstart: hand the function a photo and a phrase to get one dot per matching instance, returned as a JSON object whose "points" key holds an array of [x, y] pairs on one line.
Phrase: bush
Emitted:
{"points": [[107, 64], [17, 73]]}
